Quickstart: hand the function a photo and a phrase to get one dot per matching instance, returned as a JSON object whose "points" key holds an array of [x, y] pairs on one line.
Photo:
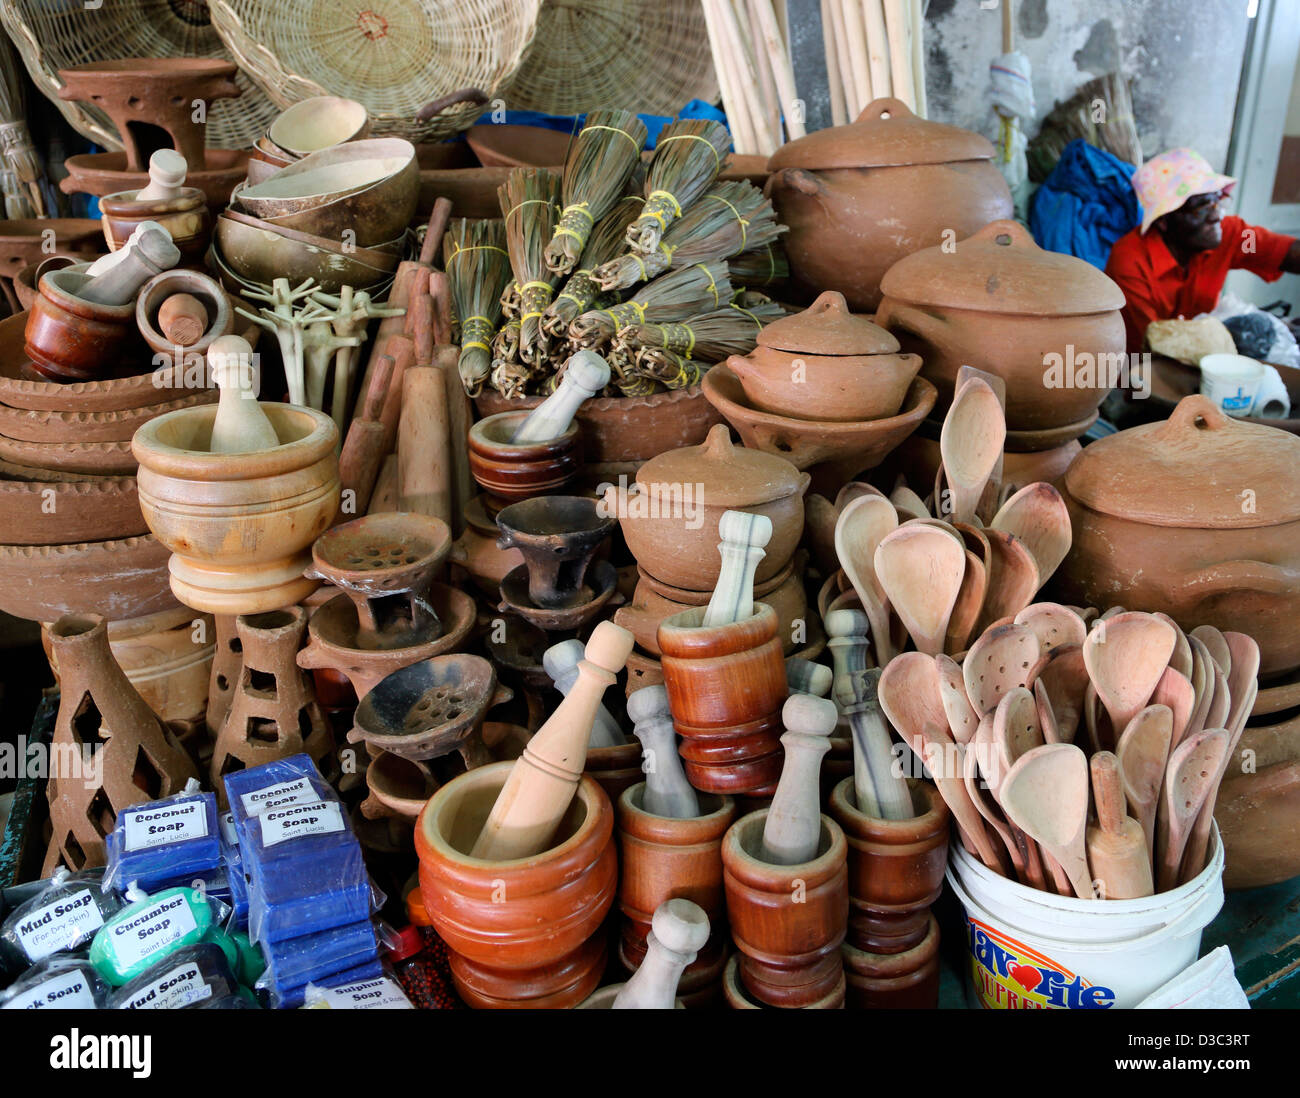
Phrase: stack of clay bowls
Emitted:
{"points": [[307, 127], [670, 521], [338, 216], [825, 389]]}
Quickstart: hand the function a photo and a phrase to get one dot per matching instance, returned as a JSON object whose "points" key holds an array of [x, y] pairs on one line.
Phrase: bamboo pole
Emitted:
{"points": [[742, 71], [780, 61], [918, 55], [839, 114], [766, 77], [743, 138], [878, 50], [856, 41], [900, 51]]}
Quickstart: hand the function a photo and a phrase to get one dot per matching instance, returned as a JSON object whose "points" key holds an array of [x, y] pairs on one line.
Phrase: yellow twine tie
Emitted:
{"points": [[741, 221], [717, 162], [713, 286], [614, 129]]}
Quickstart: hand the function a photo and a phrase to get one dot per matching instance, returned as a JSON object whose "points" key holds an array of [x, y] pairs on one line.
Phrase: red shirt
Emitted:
{"points": [[1157, 288]]}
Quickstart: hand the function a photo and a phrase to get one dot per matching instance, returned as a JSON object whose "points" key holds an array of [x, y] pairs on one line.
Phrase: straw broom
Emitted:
{"points": [[16, 140], [478, 268], [687, 160], [529, 202], [728, 219], [601, 158], [760, 267], [709, 337], [581, 291], [676, 295]]}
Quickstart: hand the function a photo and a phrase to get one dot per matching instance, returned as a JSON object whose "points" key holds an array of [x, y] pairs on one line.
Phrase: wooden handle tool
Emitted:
{"points": [[743, 537], [667, 792], [678, 932], [423, 451], [363, 452], [1117, 849], [560, 662], [585, 375], [240, 425], [793, 826]]}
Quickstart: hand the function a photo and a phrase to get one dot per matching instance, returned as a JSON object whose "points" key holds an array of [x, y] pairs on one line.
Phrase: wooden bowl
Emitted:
{"points": [[518, 146], [384, 170], [318, 123], [259, 252]]}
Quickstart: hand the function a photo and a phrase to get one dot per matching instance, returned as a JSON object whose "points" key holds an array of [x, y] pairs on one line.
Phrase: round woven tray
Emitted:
{"points": [[393, 56], [629, 54], [53, 36]]}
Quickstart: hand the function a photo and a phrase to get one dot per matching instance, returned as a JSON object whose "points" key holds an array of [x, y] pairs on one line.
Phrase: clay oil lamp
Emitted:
{"points": [[829, 187], [998, 302], [670, 517], [1198, 517], [179, 209], [239, 492], [826, 364]]}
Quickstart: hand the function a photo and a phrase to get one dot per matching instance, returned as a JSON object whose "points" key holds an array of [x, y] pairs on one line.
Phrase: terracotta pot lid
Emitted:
{"points": [[827, 327], [886, 134], [1001, 270], [733, 476], [1192, 470]]}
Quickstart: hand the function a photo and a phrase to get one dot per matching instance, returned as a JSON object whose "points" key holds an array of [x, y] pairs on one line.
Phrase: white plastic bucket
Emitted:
{"points": [[1032, 950], [1231, 381]]}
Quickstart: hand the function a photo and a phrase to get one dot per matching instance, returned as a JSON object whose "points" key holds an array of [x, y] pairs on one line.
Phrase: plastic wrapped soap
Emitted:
{"points": [[151, 928], [63, 916], [294, 997], [58, 983], [236, 879], [164, 842], [298, 961], [188, 977], [306, 896], [277, 784], [380, 992]]}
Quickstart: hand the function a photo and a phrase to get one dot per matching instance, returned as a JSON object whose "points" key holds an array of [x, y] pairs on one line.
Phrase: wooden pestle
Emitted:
{"points": [[183, 319], [560, 661], [240, 425], [805, 677], [363, 447], [1117, 847], [678, 932], [585, 375], [880, 787], [384, 496], [667, 792], [423, 453], [544, 779], [148, 252], [793, 827], [167, 171], [743, 537], [849, 641]]}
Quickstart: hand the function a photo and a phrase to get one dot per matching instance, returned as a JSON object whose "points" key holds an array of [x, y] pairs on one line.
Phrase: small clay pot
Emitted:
{"points": [[894, 981], [726, 686], [788, 921], [69, 339], [522, 933], [186, 217], [895, 868], [510, 472]]}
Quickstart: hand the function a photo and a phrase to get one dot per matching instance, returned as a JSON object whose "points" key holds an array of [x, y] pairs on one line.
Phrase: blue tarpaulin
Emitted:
{"points": [[1085, 205], [696, 108]]}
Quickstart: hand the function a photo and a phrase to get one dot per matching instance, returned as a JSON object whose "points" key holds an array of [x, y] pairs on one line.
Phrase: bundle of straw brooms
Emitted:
{"points": [[617, 259]]}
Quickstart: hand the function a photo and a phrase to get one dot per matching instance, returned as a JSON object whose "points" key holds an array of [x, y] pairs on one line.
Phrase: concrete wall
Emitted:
{"points": [[1184, 58]]}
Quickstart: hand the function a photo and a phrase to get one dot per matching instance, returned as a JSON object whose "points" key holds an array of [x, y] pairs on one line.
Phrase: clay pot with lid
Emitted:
{"points": [[826, 364], [1198, 517], [1000, 303], [857, 198], [670, 518]]}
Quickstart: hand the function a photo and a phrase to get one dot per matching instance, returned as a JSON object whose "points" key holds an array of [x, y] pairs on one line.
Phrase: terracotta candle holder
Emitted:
{"points": [[71, 339], [510, 471], [558, 536], [239, 525], [788, 921], [662, 858], [726, 686], [526, 932]]}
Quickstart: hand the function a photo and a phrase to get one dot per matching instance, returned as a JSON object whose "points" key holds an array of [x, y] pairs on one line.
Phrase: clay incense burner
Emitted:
{"points": [[1198, 517], [509, 472], [830, 186], [558, 536], [826, 364]]}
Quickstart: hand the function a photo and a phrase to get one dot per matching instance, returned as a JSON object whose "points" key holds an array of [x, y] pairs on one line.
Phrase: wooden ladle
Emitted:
{"points": [[970, 443], [1143, 753], [1016, 730], [1125, 656], [1045, 794], [862, 525], [970, 602], [1175, 691], [1038, 517], [920, 569]]}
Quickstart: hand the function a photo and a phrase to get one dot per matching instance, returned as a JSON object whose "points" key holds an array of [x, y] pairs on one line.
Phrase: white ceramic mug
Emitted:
{"points": [[1231, 381]]}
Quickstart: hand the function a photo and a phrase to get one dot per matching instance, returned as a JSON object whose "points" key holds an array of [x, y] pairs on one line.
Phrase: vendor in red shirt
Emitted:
{"points": [[1176, 263]]}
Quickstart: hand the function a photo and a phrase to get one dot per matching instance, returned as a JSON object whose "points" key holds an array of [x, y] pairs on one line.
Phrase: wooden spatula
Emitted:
{"points": [[1012, 578], [1193, 770], [962, 719], [1065, 678], [1038, 517], [1181, 660], [971, 445], [942, 760], [966, 610], [862, 525], [1175, 691], [1045, 794], [1216, 645], [1143, 754], [1054, 624]]}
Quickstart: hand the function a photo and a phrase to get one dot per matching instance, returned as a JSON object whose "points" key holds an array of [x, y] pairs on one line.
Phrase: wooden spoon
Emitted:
{"points": [[1193, 769], [1046, 715], [1216, 645], [1244, 675], [1118, 859], [862, 525], [962, 719], [1202, 685], [942, 759], [1015, 725], [920, 569], [1216, 716], [909, 694], [1143, 753], [1125, 657], [999, 660], [1012, 578], [970, 442], [1045, 794], [1055, 624], [1038, 517], [992, 816], [908, 504], [1175, 691], [1181, 660], [852, 490], [1065, 678], [1095, 721]]}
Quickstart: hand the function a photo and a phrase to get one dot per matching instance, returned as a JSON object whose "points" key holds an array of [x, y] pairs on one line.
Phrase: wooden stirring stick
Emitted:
{"points": [[793, 827], [1117, 848]]}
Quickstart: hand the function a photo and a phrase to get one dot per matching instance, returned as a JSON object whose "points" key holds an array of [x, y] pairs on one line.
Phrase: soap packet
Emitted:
{"points": [[292, 998], [63, 916], [186, 978], [381, 992], [310, 895], [152, 927], [295, 962], [159, 843], [277, 784], [60, 982]]}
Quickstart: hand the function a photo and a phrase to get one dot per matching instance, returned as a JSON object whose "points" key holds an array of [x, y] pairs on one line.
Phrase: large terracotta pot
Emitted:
{"points": [[1198, 517], [522, 933], [858, 198], [1258, 813], [1000, 303]]}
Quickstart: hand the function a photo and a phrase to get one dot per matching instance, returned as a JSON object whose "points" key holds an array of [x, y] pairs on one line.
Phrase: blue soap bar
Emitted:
{"points": [[291, 905], [58, 983], [164, 842], [295, 962], [276, 784], [294, 997], [188, 978], [236, 880]]}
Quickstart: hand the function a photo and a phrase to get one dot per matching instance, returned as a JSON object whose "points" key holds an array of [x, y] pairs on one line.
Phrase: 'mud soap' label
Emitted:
{"points": [[281, 824], [177, 988], [298, 791], [168, 824], [70, 991], [156, 928], [59, 925], [1008, 975]]}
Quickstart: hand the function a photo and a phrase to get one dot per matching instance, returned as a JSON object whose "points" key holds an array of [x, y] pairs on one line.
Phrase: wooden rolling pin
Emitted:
{"points": [[363, 452], [423, 453], [544, 779], [1117, 847]]}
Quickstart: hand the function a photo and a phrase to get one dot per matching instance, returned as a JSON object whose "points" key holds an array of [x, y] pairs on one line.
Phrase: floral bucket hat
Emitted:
{"points": [[1166, 181]]}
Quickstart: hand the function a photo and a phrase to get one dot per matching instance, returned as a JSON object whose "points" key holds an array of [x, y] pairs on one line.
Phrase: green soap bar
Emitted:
{"points": [[219, 937], [147, 931], [252, 962]]}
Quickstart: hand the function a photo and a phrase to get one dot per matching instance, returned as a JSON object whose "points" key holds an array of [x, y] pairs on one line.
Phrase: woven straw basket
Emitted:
{"points": [[650, 56], [393, 56], [58, 34]]}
